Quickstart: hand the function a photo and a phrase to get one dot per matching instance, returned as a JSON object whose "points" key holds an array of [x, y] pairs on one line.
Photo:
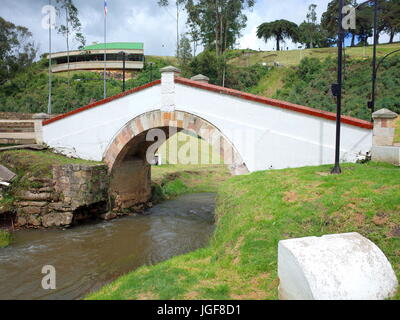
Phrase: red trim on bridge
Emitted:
{"points": [[236, 93], [276, 103], [101, 102]]}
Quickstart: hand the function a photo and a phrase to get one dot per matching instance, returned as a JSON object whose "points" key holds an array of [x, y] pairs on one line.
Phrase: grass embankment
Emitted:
{"points": [[254, 212], [5, 238], [271, 82], [175, 178], [31, 164], [36, 163], [293, 57]]}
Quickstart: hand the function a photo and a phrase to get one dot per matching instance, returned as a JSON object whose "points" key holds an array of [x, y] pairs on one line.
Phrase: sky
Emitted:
{"points": [[144, 21]]}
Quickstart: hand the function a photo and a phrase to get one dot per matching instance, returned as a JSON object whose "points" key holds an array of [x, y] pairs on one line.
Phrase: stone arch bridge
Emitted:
{"points": [[250, 132]]}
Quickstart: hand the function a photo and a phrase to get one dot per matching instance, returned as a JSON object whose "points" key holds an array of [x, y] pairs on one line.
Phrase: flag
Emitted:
{"points": [[105, 7]]}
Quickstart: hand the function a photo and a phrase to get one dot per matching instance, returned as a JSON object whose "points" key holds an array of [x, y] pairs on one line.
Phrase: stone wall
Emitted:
{"points": [[74, 192], [21, 128]]}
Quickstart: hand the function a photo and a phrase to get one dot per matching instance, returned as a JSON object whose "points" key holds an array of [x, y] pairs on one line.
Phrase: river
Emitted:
{"points": [[90, 255]]}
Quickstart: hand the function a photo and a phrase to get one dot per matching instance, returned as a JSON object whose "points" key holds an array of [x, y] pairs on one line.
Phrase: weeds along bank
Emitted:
{"points": [[5, 238], [254, 212]]}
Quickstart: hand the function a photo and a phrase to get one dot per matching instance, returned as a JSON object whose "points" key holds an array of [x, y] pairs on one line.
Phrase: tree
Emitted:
{"points": [[309, 30], [313, 36], [219, 21], [209, 64], [17, 49], [178, 4], [391, 17], [195, 36], [184, 53], [329, 20], [280, 30], [364, 24], [364, 21], [72, 24]]}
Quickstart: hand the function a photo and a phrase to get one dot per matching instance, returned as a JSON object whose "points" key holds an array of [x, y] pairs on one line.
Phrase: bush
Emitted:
{"points": [[5, 238], [309, 84], [28, 90], [174, 188]]}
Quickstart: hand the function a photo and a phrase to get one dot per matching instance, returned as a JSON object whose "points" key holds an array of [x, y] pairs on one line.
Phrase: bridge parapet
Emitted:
{"points": [[17, 128]]}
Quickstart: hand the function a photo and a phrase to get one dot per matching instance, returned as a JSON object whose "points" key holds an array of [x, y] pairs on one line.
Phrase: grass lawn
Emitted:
{"points": [[31, 164], [37, 163], [254, 212], [179, 179], [270, 83], [293, 57]]}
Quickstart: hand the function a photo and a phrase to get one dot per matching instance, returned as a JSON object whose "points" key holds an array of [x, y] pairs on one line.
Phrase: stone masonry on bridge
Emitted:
{"points": [[124, 158]]}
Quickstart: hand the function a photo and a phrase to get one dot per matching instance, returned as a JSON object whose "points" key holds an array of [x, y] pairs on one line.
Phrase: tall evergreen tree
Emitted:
{"points": [[309, 30], [280, 30], [72, 24], [219, 21], [391, 18]]}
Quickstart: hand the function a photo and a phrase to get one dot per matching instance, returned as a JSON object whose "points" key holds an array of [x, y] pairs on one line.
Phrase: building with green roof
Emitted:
{"points": [[91, 58], [116, 46]]}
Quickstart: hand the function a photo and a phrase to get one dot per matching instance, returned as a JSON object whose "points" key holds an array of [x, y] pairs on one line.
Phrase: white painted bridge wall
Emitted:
{"points": [[266, 137], [87, 134]]}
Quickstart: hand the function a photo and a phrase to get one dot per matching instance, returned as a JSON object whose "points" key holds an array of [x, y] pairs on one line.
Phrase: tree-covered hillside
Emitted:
{"points": [[309, 84], [28, 90]]}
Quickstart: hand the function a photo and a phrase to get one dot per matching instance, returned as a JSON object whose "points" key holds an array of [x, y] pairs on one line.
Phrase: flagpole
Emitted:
{"points": [[105, 49], [49, 103]]}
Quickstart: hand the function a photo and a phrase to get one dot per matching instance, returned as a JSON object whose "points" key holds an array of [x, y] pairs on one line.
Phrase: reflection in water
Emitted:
{"points": [[88, 256]]}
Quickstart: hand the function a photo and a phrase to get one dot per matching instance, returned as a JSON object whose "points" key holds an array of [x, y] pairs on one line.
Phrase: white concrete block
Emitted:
{"points": [[334, 267]]}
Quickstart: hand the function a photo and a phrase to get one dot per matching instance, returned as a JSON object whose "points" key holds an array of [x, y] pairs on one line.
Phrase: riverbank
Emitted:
{"points": [[51, 190], [94, 253], [254, 212], [170, 181]]}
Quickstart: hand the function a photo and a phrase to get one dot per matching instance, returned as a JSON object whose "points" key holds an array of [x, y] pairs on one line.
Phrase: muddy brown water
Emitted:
{"points": [[90, 255]]}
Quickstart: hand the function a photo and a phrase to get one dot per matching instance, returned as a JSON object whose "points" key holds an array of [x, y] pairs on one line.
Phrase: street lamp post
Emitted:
{"points": [[123, 69], [337, 91], [371, 104], [50, 57]]}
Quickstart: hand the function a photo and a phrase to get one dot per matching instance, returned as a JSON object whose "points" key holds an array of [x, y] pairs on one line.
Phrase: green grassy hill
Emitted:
{"points": [[308, 81], [293, 57]]}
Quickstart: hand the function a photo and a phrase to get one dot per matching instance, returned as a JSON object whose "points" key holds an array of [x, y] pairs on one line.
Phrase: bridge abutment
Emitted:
{"points": [[130, 185]]}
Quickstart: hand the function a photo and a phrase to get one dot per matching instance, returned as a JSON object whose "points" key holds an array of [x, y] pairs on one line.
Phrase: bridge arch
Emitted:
{"points": [[126, 154]]}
